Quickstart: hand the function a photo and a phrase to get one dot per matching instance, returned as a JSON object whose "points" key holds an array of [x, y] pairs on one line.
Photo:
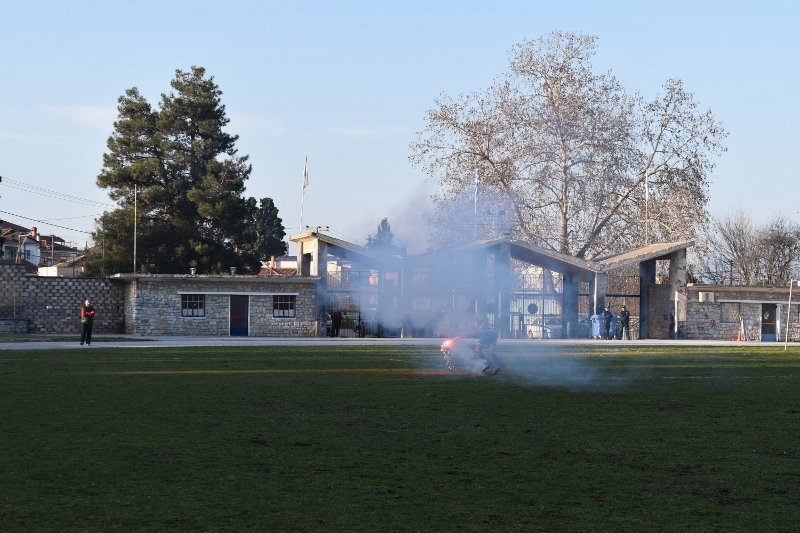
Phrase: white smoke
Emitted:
{"points": [[527, 363]]}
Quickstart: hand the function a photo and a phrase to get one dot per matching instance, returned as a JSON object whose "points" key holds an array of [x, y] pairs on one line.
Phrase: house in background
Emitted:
{"points": [[20, 244], [70, 268], [53, 251], [279, 266]]}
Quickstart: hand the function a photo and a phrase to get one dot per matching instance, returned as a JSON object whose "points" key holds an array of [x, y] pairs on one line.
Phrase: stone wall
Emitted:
{"points": [[52, 305], [705, 319], [660, 309], [153, 305]]}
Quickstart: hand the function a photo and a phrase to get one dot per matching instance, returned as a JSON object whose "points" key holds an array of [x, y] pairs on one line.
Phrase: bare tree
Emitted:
{"points": [[737, 251], [780, 251], [729, 251], [587, 168]]}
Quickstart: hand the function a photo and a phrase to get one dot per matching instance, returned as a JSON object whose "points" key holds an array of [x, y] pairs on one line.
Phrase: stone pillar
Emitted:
{"points": [[304, 259], [313, 261], [478, 283], [569, 306], [598, 292], [677, 289], [504, 281], [647, 278]]}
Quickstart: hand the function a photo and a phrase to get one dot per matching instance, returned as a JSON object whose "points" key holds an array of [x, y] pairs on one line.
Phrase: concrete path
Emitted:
{"points": [[121, 341]]}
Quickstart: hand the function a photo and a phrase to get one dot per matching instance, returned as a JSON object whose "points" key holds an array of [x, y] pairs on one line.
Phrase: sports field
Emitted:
{"points": [[604, 437]]}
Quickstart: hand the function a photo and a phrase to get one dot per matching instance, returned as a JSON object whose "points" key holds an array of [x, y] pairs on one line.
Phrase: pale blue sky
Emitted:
{"points": [[349, 82]]}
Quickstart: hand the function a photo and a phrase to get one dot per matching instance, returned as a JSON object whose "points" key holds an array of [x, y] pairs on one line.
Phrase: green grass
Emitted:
{"points": [[567, 438]]}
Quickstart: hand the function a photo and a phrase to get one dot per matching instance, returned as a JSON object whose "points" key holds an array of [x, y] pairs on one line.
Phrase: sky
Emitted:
{"points": [[347, 84]]}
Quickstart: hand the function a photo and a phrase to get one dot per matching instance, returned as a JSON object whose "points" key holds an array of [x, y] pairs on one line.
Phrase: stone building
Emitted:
{"points": [[209, 305], [730, 312], [160, 304]]}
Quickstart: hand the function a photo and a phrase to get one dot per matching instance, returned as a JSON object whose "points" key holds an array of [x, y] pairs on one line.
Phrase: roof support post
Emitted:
{"points": [[677, 288], [647, 278], [570, 306], [599, 292], [504, 280]]}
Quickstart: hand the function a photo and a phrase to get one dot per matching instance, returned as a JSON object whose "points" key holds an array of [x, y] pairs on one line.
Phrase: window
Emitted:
{"points": [[193, 305], [283, 306], [730, 312]]}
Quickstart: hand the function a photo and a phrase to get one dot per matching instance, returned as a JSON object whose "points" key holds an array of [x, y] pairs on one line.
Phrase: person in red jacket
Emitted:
{"points": [[87, 321]]}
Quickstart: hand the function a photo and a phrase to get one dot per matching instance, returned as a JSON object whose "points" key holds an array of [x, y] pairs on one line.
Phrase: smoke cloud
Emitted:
{"points": [[534, 364]]}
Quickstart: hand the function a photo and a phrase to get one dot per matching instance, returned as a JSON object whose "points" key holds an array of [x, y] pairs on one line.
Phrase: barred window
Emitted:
{"points": [[193, 305], [283, 306], [730, 312]]}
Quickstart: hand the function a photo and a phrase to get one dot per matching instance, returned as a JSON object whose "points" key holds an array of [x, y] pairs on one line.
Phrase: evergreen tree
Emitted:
{"points": [[188, 181], [383, 239]]}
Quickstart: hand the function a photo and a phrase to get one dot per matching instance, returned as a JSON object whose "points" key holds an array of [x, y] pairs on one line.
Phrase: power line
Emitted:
{"points": [[35, 189], [45, 222]]}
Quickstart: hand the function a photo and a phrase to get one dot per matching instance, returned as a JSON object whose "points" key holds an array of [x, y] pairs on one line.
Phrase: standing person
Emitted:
{"points": [[336, 323], [614, 326], [595, 319], [624, 323], [87, 321], [607, 316]]}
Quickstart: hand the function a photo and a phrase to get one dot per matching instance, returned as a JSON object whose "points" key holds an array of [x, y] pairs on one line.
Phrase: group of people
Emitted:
{"points": [[607, 325]]}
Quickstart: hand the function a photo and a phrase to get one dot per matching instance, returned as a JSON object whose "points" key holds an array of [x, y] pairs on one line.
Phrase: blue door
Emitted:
{"points": [[240, 315]]}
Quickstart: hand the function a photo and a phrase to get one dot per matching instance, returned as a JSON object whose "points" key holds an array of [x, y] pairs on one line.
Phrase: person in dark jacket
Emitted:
{"points": [[87, 321], [624, 323], [607, 319]]}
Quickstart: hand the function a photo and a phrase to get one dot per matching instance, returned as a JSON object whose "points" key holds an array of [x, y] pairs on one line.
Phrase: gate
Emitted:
{"points": [[768, 314]]}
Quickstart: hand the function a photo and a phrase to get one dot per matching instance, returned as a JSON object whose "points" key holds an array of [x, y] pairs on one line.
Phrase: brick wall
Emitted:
{"points": [[658, 322], [52, 305]]}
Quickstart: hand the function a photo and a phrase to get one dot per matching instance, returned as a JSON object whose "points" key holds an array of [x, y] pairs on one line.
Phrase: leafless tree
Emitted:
{"points": [[587, 168], [737, 251], [780, 251]]}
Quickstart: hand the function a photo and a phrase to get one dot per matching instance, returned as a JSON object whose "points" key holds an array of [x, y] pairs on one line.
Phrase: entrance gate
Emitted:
{"points": [[768, 314]]}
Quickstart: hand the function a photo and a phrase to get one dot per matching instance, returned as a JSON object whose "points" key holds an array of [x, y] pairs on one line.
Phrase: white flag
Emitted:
{"points": [[305, 174]]}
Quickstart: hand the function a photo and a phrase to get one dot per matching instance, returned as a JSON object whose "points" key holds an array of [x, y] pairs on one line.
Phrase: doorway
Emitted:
{"points": [[768, 315], [240, 315]]}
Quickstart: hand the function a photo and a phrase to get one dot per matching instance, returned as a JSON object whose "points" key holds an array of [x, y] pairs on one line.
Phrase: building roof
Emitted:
{"points": [[581, 269], [528, 253], [267, 270], [645, 253], [348, 250]]}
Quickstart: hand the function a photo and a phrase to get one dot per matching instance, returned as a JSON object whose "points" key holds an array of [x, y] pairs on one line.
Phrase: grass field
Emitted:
{"points": [[566, 438]]}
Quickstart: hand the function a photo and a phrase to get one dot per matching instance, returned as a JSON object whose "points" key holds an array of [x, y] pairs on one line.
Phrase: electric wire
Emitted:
{"points": [[45, 222], [49, 193]]}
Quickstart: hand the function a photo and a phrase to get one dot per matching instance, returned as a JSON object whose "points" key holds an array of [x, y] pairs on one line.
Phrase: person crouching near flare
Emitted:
{"points": [[487, 351]]}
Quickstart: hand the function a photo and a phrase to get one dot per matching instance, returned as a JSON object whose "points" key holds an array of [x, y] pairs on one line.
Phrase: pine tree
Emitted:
{"points": [[188, 180]]}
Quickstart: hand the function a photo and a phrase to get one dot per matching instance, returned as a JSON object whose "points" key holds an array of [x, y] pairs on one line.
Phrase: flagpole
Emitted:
{"points": [[134, 228], [646, 212], [303, 192], [475, 203]]}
